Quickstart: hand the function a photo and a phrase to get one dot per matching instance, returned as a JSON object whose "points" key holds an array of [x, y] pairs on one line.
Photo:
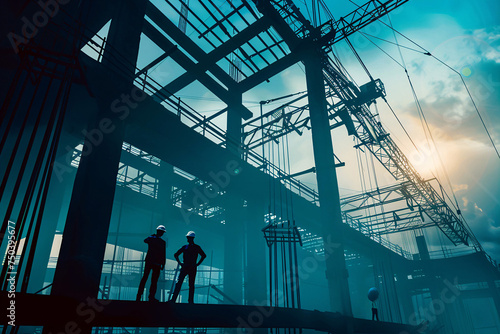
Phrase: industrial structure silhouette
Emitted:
{"points": [[96, 152]]}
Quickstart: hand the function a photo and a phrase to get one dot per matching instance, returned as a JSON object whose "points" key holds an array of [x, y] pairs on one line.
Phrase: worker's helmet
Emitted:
{"points": [[161, 228], [191, 234]]}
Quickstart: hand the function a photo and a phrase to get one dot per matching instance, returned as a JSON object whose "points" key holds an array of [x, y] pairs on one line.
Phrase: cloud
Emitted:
{"points": [[477, 208], [444, 99], [459, 187], [486, 228]]}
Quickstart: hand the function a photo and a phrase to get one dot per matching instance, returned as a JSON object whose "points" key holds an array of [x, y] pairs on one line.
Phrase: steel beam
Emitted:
{"points": [[269, 71]]}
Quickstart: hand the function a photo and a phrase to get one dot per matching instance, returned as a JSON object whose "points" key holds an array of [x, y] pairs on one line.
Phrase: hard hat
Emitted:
{"points": [[161, 228], [191, 234]]}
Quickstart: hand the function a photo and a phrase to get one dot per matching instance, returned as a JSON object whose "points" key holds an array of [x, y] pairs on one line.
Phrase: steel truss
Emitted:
{"points": [[260, 45]]}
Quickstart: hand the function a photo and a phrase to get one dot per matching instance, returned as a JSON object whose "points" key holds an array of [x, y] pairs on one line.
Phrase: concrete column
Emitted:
{"points": [[78, 272], [326, 176], [234, 227], [435, 284], [165, 194], [255, 272], [423, 251], [234, 125], [405, 297], [233, 250], [388, 293]]}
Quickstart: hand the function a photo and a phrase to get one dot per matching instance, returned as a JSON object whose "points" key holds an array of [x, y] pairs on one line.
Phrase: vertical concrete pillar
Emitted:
{"points": [[255, 271], [326, 176], [423, 251], [435, 284], [165, 193], [234, 226], [405, 297], [233, 250], [79, 266], [382, 302]]}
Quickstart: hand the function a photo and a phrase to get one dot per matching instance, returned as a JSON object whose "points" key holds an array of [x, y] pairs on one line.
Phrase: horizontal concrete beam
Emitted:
{"points": [[41, 310]]}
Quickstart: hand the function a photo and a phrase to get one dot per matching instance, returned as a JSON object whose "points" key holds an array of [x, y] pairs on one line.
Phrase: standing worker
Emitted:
{"points": [[188, 267], [155, 261], [373, 294]]}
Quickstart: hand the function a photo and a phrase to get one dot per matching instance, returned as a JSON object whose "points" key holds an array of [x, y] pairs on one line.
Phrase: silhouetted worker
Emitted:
{"points": [[374, 311], [155, 261], [188, 267], [373, 294]]}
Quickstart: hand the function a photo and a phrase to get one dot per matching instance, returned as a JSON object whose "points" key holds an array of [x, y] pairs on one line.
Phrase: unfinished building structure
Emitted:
{"points": [[96, 151]]}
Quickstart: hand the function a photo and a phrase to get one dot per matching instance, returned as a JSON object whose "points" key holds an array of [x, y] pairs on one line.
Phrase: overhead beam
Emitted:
{"points": [[190, 66], [206, 61], [268, 72]]}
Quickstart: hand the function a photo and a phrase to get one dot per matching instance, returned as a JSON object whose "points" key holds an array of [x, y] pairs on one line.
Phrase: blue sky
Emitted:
{"points": [[466, 36]]}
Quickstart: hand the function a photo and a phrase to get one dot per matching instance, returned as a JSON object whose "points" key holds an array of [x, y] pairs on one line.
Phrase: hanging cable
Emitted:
{"points": [[433, 141], [378, 47], [427, 53], [401, 124], [365, 34], [358, 58]]}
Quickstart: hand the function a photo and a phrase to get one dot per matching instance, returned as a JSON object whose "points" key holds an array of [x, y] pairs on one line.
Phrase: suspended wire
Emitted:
{"points": [[358, 58], [326, 9], [419, 108], [427, 53], [388, 55], [385, 100], [421, 112], [393, 43], [422, 117], [340, 65], [401, 124], [362, 177], [473, 102], [396, 39], [371, 155]]}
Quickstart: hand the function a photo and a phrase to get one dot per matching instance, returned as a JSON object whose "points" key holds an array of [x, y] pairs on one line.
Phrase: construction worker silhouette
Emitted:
{"points": [[188, 267], [155, 261], [373, 294]]}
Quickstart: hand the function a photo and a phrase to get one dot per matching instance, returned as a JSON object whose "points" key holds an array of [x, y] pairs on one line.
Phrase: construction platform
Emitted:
{"points": [[43, 310]]}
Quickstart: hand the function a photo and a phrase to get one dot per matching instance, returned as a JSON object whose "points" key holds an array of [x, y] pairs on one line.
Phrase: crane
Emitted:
{"points": [[352, 110]]}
